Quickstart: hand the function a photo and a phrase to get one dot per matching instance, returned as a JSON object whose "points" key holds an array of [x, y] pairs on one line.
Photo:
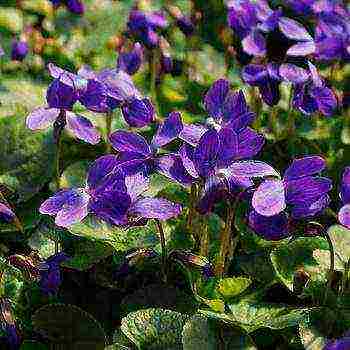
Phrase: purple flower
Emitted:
{"points": [[6, 213], [183, 22], [266, 78], [8, 325], [76, 6], [301, 188], [19, 50], [144, 26], [314, 96], [50, 276], [136, 153], [342, 343], [130, 62], [344, 212]]}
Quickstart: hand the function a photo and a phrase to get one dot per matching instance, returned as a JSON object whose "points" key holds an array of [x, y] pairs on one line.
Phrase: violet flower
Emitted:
{"points": [[60, 99], [130, 62], [342, 343], [19, 50], [8, 325], [136, 153], [344, 212], [144, 26], [301, 188], [6, 213], [74, 6], [183, 22]]}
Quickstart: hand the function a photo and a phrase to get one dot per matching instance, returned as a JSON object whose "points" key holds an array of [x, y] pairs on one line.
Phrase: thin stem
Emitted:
{"points": [[204, 240], [331, 267], [256, 101], [345, 277], [153, 73], [109, 117], [163, 247], [191, 211], [58, 156], [291, 115]]}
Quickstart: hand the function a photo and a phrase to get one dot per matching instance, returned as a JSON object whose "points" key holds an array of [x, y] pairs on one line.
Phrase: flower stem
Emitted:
{"points": [[345, 277], [331, 267], [291, 116], [163, 248], [191, 210], [58, 156], [153, 56], [109, 117]]}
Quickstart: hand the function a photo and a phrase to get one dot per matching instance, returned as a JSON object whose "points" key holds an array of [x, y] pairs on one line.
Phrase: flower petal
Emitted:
{"points": [[82, 128], [293, 74], [254, 44], [6, 213], [302, 49], [309, 210], [293, 29], [41, 118], [345, 186], [235, 107], [192, 133], [205, 154], [272, 228], [305, 166], [215, 97], [55, 203], [186, 154], [255, 74], [344, 215], [228, 146], [326, 100], [268, 199], [155, 208], [138, 112], [127, 141], [136, 184], [249, 143], [169, 130]]}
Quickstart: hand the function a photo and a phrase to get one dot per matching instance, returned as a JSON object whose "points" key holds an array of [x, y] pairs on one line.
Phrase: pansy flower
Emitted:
{"points": [[60, 99], [344, 212], [130, 62], [134, 152], [144, 26], [19, 50]]}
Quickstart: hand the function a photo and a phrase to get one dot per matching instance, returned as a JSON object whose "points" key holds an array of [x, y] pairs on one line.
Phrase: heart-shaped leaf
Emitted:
{"points": [[231, 287]]}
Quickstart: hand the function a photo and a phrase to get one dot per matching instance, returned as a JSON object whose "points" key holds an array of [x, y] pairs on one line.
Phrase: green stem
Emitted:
{"points": [[331, 267], [109, 117], [163, 248], [153, 77], [191, 209], [58, 156], [345, 277], [291, 115], [256, 101]]}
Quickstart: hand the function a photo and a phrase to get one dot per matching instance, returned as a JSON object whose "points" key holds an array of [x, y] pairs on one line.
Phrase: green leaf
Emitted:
{"points": [[32, 345], [251, 317], [87, 254], [231, 287], [11, 19], [200, 333], [290, 257], [70, 325], [75, 174], [11, 282], [154, 328], [340, 237], [26, 158]]}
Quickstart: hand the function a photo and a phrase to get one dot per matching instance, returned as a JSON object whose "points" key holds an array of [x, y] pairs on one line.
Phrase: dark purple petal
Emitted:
{"points": [[228, 148], [342, 343], [138, 112], [19, 50], [112, 207], [6, 213], [302, 49], [269, 198], [171, 166], [205, 154], [213, 192], [249, 143], [100, 168], [241, 122], [293, 29], [127, 141], [113, 181], [271, 22], [55, 203], [303, 101], [76, 6], [155, 208], [134, 166], [344, 215], [270, 92], [345, 186], [305, 166], [329, 48], [60, 96], [136, 184], [168, 131], [192, 133], [41, 118], [186, 154], [254, 44], [306, 190], [255, 74], [95, 97], [273, 70], [272, 228], [82, 128], [309, 210], [215, 97], [326, 100], [293, 74], [130, 62], [236, 112], [185, 25]]}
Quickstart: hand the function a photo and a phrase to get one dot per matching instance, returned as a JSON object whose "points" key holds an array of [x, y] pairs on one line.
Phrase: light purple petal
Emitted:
{"points": [[70, 215], [344, 215], [305, 166], [254, 44], [249, 143], [215, 97], [268, 199], [6, 213], [68, 78], [293, 74], [192, 133], [86, 72], [255, 74], [127, 141], [293, 29], [169, 130], [316, 79], [41, 118], [157, 19], [82, 128], [155, 208], [55, 203], [205, 154], [302, 49], [186, 154], [326, 100], [136, 185], [100, 168], [310, 210], [171, 166]]}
